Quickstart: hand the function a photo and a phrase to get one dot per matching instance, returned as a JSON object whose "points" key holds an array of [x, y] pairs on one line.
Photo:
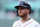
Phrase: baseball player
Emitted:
{"points": [[23, 11]]}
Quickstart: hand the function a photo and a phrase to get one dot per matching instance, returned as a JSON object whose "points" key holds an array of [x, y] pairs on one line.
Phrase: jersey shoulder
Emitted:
{"points": [[36, 23], [16, 22]]}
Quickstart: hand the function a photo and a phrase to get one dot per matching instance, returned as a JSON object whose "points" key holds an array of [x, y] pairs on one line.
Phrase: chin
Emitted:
{"points": [[21, 15]]}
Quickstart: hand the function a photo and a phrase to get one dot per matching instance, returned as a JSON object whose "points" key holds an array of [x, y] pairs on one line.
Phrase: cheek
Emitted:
{"points": [[26, 11], [23, 11]]}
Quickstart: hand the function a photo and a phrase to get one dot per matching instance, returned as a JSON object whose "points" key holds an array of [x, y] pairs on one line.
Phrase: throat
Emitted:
{"points": [[25, 20]]}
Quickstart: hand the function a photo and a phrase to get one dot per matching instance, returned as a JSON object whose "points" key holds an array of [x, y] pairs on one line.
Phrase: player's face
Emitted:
{"points": [[22, 11]]}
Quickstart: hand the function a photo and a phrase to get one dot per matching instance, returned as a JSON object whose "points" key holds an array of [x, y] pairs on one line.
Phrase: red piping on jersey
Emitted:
{"points": [[26, 24], [16, 25], [19, 24]]}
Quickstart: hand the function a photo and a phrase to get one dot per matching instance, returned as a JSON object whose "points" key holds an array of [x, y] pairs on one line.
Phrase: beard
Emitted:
{"points": [[22, 15]]}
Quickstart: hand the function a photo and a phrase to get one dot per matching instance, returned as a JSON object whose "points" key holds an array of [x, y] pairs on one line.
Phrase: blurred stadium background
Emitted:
{"points": [[8, 12]]}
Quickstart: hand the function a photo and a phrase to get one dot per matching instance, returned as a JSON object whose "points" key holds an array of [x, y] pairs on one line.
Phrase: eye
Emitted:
{"points": [[23, 8]]}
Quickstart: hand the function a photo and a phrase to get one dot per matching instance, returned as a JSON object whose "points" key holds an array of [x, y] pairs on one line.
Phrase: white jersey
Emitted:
{"points": [[30, 23]]}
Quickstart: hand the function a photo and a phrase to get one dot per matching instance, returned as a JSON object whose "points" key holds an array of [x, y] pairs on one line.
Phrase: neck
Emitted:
{"points": [[24, 19]]}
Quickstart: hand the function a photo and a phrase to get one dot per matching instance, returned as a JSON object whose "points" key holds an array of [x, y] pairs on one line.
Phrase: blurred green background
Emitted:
{"points": [[8, 12]]}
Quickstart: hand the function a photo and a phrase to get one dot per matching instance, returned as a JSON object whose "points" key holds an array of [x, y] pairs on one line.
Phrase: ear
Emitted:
{"points": [[28, 10]]}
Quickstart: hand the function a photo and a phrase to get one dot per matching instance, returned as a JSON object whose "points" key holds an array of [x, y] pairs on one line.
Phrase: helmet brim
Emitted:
{"points": [[19, 6]]}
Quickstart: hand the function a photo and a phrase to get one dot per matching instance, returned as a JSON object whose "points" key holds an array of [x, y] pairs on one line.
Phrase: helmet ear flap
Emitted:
{"points": [[17, 12]]}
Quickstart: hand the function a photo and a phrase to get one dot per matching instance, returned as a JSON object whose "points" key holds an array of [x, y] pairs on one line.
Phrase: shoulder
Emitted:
{"points": [[36, 23], [15, 23]]}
